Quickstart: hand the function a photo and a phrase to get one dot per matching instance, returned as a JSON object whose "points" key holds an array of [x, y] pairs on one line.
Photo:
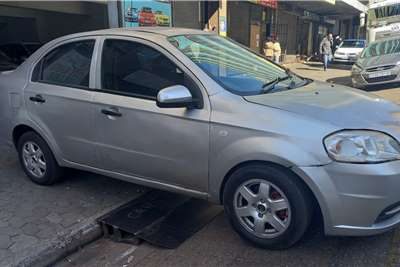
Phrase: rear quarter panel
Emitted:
{"points": [[11, 102]]}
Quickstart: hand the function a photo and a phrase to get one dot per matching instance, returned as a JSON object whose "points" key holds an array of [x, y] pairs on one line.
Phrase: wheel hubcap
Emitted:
{"points": [[262, 208], [33, 159]]}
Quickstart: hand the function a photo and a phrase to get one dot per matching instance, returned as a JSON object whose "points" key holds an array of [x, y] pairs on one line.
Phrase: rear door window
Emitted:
{"points": [[67, 65]]}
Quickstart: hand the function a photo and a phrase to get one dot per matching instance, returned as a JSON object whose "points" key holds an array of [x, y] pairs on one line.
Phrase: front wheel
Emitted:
{"points": [[268, 206]]}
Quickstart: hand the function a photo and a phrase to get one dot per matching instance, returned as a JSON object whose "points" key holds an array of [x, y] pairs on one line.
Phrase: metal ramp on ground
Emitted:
{"points": [[161, 218]]}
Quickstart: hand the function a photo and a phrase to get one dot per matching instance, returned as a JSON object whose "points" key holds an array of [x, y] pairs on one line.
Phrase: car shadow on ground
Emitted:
{"points": [[381, 87], [341, 80], [218, 245], [338, 66]]}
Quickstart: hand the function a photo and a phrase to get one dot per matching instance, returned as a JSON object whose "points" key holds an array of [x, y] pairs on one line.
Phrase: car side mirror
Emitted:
{"points": [[175, 96]]}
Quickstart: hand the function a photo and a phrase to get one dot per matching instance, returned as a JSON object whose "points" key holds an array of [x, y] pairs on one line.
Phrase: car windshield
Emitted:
{"points": [[352, 44], [234, 67], [381, 48]]}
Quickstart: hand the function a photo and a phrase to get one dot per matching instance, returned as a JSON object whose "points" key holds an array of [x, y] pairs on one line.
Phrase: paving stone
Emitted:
{"points": [[18, 222], [30, 229], [5, 215], [33, 215], [54, 218], [5, 241], [22, 242]]}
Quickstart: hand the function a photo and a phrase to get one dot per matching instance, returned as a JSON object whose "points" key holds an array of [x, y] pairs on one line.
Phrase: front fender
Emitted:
{"points": [[227, 152]]}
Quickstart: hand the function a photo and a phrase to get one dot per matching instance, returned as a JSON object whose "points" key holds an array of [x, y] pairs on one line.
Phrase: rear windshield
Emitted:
{"points": [[381, 48], [352, 44]]}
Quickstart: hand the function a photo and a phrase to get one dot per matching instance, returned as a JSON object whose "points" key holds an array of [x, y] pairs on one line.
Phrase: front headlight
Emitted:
{"points": [[362, 146]]}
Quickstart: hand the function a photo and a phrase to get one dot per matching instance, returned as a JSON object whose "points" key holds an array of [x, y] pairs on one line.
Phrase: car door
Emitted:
{"points": [[166, 145], [59, 99]]}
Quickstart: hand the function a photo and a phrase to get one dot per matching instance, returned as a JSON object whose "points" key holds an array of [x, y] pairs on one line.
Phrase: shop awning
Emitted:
{"points": [[329, 7]]}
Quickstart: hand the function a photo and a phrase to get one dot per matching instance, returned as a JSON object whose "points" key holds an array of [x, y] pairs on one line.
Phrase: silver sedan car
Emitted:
{"points": [[379, 63], [191, 112]]}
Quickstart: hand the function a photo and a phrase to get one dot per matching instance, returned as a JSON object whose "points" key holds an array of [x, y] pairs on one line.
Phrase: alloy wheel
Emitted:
{"points": [[262, 208], [34, 159]]}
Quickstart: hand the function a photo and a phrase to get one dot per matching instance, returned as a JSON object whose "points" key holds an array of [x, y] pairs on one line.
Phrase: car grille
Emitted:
{"points": [[380, 79], [388, 67]]}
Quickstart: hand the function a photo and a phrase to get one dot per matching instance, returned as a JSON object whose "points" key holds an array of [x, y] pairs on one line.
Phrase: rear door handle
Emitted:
{"points": [[114, 112], [37, 99]]}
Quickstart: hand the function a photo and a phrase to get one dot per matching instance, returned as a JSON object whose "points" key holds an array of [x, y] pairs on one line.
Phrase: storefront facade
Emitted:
{"points": [[299, 28], [42, 21]]}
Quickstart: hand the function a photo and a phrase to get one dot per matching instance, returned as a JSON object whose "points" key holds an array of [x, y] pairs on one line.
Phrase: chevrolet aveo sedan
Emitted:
{"points": [[191, 112]]}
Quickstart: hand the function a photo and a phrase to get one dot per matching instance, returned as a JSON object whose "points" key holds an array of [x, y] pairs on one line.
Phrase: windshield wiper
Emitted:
{"points": [[269, 86]]}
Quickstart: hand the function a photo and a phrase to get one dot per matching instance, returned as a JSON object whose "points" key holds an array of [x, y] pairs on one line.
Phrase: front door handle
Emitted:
{"points": [[114, 112], [37, 99]]}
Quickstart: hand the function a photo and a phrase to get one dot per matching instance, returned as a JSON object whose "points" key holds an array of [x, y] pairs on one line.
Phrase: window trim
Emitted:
{"points": [[98, 87], [92, 69]]}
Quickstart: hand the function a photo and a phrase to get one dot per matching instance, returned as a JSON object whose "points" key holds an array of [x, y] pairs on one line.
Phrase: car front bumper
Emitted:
{"points": [[344, 59], [354, 197], [359, 78]]}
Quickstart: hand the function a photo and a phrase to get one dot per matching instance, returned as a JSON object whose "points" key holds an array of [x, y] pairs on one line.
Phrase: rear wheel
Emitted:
{"points": [[37, 160], [268, 206]]}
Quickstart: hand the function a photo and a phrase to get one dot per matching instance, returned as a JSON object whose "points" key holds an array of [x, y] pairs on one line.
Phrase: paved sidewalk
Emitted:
{"points": [[34, 217]]}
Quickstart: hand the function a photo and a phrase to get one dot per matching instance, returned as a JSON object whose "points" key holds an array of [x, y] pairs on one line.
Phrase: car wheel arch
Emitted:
{"points": [[20, 129], [274, 165]]}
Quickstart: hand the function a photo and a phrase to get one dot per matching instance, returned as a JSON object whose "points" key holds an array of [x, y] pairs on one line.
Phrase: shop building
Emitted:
{"points": [[299, 25], [42, 21]]}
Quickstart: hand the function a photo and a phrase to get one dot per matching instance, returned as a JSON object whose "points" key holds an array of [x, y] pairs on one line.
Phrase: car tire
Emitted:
{"points": [[283, 186], [37, 160]]}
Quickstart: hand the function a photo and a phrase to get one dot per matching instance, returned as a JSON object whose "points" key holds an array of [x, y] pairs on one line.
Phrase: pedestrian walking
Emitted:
{"points": [[277, 50], [338, 40], [269, 49], [325, 50]]}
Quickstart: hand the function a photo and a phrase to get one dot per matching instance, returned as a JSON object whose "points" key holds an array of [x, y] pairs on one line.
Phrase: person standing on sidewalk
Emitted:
{"points": [[269, 49], [325, 50], [277, 50]]}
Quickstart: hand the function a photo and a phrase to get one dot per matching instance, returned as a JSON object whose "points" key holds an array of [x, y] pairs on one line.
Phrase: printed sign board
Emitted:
{"points": [[146, 13]]}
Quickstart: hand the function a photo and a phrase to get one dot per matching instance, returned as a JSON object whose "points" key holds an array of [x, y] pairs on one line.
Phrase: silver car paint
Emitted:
{"points": [[195, 149]]}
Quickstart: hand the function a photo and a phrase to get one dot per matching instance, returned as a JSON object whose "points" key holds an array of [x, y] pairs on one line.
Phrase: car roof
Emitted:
{"points": [[144, 32]]}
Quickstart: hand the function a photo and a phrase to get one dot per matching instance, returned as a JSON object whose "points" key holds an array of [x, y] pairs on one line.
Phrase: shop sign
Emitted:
{"points": [[267, 3], [146, 13]]}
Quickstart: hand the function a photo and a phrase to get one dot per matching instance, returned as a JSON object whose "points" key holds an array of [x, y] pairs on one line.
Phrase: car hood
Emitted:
{"points": [[349, 50], [341, 106], [378, 61]]}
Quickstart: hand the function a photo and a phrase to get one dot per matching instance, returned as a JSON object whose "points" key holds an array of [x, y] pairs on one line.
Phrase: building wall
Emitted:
{"points": [[239, 21], [287, 31], [45, 25], [187, 14]]}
